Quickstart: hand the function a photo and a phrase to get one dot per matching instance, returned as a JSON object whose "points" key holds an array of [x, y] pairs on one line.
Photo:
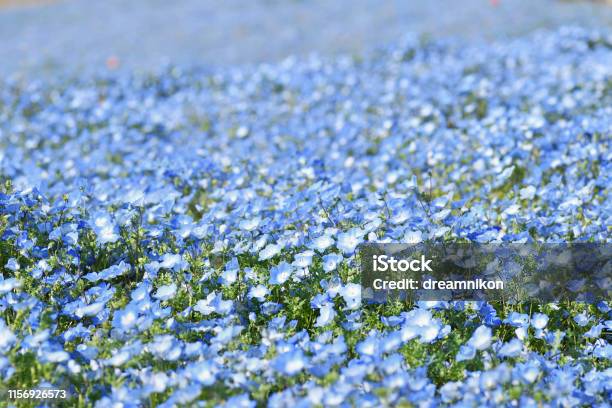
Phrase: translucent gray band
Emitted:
{"points": [[508, 272]]}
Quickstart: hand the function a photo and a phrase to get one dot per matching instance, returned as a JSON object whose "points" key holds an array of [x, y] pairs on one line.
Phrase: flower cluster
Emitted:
{"points": [[189, 237]]}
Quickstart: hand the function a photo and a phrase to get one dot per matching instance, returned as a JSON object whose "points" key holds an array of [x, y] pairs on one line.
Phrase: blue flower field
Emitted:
{"points": [[189, 237]]}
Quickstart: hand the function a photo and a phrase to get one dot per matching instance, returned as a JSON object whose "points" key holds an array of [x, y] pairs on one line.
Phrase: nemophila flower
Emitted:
{"points": [[490, 235], [594, 331], [322, 243], [303, 260], [118, 396], [521, 332], [451, 391], [225, 335], [250, 224], [124, 354], [142, 291], [481, 338], [391, 321], [582, 319], [6, 369], [87, 352], [155, 382], [527, 372], [73, 367], [603, 351], [126, 319], [430, 332], [326, 315], [489, 380], [54, 356], [165, 347], [351, 293], [90, 310], [152, 269], [280, 273], [539, 321], [109, 273], [7, 337], [331, 262], [348, 241], [104, 227], [332, 287], [230, 274], [269, 308], [466, 352], [165, 292], [24, 243], [517, 319], [33, 341], [213, 303], [489, 315], [240, 401], [527, 193], [183, 395], [78, 331], [510, 349], [417, 317], [269, 251], [603, 306], [41, 267], [391, 342], [67, 233], [370, 346], [176, 262], [319, 300], [352, 322], [290, 362], [258, 292], [6, 285], [554, 338], [12, 264], [413, 237]]}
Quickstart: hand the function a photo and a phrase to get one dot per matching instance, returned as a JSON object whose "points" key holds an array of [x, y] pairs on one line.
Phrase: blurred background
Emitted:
{"points": [[75, 36]]}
